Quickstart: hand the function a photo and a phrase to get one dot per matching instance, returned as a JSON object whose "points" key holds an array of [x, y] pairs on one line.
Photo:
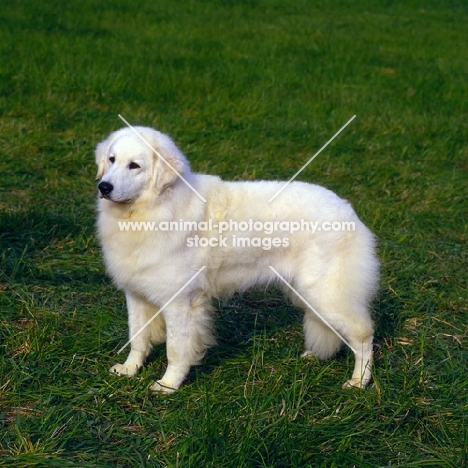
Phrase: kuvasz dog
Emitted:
{"points": [[173, 239]]}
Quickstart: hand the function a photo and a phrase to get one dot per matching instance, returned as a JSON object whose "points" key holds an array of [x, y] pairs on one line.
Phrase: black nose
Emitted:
{"points": [[105, 188]]}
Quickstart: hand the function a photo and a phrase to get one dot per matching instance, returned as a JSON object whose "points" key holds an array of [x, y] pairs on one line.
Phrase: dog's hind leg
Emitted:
{"points": [[331, 324], [363, 355], [341, 295], [146, 327], [336, 313], [320, 340]]}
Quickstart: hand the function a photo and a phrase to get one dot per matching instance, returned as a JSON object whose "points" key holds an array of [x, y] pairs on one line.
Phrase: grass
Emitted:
{"points": [[249, 90]]}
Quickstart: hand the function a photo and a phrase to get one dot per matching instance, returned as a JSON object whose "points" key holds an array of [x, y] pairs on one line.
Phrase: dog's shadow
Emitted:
{"points": [[244, 316], [266, 314], [386, 311], [238, 321]]}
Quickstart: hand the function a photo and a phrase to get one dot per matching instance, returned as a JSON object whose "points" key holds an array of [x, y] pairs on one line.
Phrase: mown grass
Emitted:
{"points": [[249, 90]]}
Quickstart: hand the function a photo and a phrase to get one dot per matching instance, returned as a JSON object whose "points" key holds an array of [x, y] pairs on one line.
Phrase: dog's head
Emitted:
{"points": [[133, 160]]}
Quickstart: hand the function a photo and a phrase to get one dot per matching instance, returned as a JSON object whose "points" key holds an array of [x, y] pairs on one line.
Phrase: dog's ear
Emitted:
{"points": [[170, 163], [102, 150], [101, 158]]}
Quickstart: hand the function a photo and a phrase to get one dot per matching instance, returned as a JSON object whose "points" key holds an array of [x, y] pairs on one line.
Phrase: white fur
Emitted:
{"points": [[335, 272]]}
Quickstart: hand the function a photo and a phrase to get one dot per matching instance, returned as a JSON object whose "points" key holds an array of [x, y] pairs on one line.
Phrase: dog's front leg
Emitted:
{"points": [[139, 312], [178, 343], [188, 325]]}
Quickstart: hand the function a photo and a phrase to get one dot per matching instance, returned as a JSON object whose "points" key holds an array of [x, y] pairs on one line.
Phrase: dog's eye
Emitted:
{"points": [[112, 159], [133, 165]]}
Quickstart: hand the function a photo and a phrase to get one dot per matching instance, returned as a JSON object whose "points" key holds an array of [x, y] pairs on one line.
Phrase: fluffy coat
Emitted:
{"points": [[331, 274]]}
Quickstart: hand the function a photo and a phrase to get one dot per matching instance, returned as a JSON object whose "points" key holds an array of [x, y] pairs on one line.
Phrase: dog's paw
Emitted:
{"points": [[355, 383], [159, 387], [122, 369], [308, 355]]}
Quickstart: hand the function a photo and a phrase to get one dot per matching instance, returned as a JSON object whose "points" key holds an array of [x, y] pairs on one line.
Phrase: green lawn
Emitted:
{"points": [[249, 89]]}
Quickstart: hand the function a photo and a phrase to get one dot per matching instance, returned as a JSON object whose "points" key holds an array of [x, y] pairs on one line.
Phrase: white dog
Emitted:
{"points": [[226, 237]]}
